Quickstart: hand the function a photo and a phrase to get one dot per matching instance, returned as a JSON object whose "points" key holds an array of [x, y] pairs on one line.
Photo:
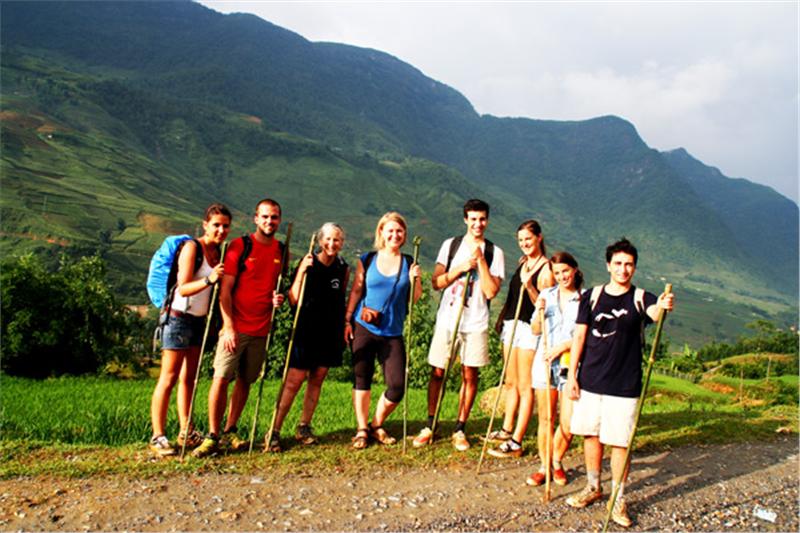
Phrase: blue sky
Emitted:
{"points": [[719, 79]]}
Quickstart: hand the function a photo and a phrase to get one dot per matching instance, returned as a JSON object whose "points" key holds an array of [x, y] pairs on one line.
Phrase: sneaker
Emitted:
{"points": [[209, 446], [161, 446], [535, 479], [559, 477], [585, 497], [499, 435], [230, 441], [304, 434], [423, 439], [506, 449], [192, 439], [620, 513], [460, 442]]}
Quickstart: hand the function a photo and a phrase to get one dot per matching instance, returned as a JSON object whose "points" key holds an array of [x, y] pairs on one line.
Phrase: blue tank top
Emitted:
{"points": [[381, 297]]}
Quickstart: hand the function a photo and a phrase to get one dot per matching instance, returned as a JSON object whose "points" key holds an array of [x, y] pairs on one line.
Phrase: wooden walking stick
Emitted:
{"points": [[449, 362], [656, 339], [548, 438], [289, 349], [417, 241], [502, 375], [284, 263], [213, 299]]}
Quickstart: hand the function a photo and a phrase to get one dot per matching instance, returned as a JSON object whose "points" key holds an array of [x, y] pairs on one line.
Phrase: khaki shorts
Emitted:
{"points": [[471, 347], [246, 361], [609, 417]]}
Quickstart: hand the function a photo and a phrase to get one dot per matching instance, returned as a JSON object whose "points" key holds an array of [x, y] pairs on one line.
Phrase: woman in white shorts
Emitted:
{"points": [[534, 274], [560, 304]]}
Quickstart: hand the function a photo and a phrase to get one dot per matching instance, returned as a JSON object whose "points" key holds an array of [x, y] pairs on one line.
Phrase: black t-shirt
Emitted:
{"points": [[612, 354]]}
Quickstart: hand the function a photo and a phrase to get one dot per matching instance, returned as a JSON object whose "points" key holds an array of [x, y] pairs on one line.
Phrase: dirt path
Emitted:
{"points": [[712, 488]]}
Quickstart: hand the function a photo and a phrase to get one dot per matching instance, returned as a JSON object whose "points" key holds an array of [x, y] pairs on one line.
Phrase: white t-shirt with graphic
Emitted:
{"points": [[475, 317]]}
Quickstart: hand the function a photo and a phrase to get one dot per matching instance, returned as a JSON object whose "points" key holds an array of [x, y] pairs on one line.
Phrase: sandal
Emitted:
{"points": [[379, 435], [361, 439]]}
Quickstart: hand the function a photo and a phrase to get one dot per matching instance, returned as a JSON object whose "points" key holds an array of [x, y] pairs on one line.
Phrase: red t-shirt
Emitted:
{"points": [[252, 297]]}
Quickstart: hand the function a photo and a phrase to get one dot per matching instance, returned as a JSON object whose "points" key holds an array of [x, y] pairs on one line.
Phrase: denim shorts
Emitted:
{"points": [[181, 332]]}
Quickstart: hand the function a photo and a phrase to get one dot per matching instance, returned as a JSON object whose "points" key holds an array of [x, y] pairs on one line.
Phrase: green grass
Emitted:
{"points": [[88, 426]]}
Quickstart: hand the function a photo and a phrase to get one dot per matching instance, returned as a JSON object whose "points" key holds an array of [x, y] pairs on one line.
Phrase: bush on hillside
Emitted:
{"points": [[62, 321]]}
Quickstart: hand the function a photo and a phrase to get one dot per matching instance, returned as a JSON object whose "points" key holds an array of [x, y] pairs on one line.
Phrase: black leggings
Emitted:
{"points": [[391, 354]]}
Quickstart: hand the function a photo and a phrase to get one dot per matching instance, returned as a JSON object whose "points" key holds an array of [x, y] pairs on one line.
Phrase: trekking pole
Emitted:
{"points": [[452, 354], [417, 241], [656, 339], [284, 262], [548, 438], [214, 292], [522, 291], [289, 348]]}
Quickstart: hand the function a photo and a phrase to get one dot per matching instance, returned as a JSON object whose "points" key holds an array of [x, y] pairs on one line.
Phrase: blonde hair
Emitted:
{"points": [[391, 216], [329, 226]]}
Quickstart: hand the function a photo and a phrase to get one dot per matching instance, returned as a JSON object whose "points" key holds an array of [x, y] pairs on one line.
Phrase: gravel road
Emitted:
{"points": [[696, 488]]}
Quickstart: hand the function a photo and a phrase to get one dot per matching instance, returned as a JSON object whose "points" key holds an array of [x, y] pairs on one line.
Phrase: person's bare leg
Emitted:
{"points": [[511, 388], [217, 398], [544, 428], [361, 400], [563, 437], [434, 386], [524, 360], [382, 411], [294, 380], [469, 389], [186, 385], [241, 389], [313, 389], [171, 362]]}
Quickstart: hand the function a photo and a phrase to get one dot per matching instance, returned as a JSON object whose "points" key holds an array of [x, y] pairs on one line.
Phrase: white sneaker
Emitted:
{"points": [[460, 441]]}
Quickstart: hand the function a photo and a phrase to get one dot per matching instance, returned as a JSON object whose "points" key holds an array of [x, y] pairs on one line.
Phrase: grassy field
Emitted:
{"points": [[85, 426]]}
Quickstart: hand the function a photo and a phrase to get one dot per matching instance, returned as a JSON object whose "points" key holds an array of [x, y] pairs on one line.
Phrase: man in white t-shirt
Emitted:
{"points": [[457, 256]]}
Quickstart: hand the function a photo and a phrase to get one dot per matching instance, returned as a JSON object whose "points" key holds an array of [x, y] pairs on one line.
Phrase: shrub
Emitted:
{"points": [[65, 321]]}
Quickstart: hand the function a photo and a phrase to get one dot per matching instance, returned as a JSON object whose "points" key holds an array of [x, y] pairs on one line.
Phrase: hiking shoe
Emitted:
{"points": [[209, 446], [559, 477], [423, 439], [506, 449], [499, 435], [585, 497], [304, 434], [274, 446], [460, 442], [193, 438], [230, 441], [161, 446], [620, 513], [535, 479]]}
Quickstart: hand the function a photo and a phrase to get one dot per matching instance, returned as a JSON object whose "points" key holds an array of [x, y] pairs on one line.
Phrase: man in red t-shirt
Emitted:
{"points": [[246, 299]]}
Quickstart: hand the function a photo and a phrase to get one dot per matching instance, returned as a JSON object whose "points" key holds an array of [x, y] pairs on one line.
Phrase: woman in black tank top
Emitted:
{"points": [[534, 274], [318, 343]]}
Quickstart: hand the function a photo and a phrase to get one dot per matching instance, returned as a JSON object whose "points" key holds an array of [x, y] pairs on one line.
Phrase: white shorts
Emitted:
{"points": [[471, 347], [539, 373], [609, 417], [524, 338]]}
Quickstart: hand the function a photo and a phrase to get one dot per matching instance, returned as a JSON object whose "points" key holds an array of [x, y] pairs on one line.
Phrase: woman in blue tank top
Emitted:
{"points": [[377, 306]]}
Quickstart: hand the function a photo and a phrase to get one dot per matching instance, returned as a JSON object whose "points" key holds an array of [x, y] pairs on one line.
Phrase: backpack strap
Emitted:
{"points": [[638, 300], [596, 290], [172, 279], [366, 262], [488, 251]]}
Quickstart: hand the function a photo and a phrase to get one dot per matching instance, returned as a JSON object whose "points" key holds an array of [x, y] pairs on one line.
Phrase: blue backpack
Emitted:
{"points": [[163, 273]]}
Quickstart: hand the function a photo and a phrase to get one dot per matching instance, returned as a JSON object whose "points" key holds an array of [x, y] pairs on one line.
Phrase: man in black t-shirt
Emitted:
{"points": [[605, 373]]}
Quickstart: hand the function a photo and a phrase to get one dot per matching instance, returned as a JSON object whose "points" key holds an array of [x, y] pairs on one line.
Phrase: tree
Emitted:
{"points": [[65, 321]]}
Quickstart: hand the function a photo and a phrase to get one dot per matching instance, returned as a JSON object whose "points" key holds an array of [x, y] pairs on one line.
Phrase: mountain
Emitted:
{"points": [[121, 121]]}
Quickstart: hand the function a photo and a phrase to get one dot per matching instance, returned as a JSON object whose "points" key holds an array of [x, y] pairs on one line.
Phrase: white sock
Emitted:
{"points": [[593, 479], [621, 489], [556, 464]]}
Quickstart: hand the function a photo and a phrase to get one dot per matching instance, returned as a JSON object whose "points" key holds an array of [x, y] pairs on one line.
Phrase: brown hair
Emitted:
{"points": [[565, 258]]}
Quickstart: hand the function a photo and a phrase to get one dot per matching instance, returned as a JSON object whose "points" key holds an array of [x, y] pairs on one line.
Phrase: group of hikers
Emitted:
{"points": [[565, 346]]}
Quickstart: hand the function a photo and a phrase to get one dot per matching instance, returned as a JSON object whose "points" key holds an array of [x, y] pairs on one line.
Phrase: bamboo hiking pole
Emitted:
{"points": [[502, 374], [452, 354], [284, 262], [656, 339], [289, 349], [214, 292], [417, 241], [548, 438]]}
